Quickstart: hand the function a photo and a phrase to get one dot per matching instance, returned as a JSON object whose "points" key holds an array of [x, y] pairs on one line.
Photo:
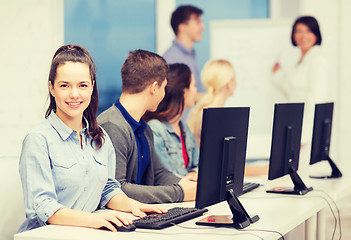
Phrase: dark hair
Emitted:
{"points": [[182, 14], [76, 53], [312, 24], [178, 79], [142, 68]]}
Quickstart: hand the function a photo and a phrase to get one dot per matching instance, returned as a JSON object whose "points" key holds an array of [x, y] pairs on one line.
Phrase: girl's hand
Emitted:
{"points": [[140, 209], [103, 218]]}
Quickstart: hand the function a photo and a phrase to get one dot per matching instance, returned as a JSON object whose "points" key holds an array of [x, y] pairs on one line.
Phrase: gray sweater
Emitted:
{"points": [[158, 184]]}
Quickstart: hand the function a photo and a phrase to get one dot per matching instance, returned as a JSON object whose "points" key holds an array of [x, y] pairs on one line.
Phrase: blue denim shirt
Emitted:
{"points": [[56, 172], [169, 147]]}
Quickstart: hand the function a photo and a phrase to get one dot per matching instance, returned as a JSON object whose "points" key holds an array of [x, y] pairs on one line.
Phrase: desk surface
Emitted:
{"points": [[277, 212]]}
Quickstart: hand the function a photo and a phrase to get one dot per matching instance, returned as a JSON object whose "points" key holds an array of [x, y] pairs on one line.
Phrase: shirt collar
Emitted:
{"points": [[63, 130], [171, 130], [132, 122], [183, 48]]}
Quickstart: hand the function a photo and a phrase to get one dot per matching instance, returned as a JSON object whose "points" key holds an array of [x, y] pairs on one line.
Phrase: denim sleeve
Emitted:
{"points": [[195, 162], [112, 187], [195, 154], [37, 181], [161, 150]]}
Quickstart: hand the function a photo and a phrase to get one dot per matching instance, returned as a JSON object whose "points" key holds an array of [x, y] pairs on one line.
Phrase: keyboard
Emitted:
{"points": [[174, 215], [248, 186]]}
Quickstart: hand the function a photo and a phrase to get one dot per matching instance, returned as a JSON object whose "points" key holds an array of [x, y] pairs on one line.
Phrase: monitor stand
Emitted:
{"points": [[240, 218], [335, 171], [299, 186]]}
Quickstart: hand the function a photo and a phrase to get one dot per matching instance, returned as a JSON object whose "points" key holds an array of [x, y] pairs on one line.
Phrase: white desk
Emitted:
{"points": [[277, 212]]}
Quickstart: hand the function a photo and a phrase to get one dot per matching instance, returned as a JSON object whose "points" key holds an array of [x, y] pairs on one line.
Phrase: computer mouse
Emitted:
{"points": [[124, 228]]}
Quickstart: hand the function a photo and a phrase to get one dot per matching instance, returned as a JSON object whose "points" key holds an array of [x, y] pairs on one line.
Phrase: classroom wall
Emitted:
{"points": [[343, 91], [333, 17], [31, 30]]}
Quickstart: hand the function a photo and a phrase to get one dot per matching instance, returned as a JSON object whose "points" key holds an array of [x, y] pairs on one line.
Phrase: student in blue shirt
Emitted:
{"points": [[68, 162], [174, 142]]}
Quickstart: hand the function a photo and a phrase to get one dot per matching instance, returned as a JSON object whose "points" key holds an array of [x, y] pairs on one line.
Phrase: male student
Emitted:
{"points": [[138, 169], [188, 27]]}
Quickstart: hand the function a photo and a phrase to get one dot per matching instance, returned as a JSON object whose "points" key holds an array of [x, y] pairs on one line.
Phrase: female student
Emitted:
{"points": [[218, 77], [174, 142], [67, 163]]}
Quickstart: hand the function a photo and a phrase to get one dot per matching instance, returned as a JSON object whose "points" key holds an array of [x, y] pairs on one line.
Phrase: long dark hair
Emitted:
{"points": [[178, 79], [312, 24], [76, 53]]}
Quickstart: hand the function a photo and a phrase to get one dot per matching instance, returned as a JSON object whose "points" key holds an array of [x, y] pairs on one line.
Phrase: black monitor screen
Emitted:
{"points": [[216, 175], [323, 118], [285, 149], [286, 139], [322, 129]]}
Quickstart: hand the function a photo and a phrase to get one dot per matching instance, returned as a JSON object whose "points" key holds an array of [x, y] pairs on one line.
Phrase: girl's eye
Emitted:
{"points": [[84, 85], [63, 85]]}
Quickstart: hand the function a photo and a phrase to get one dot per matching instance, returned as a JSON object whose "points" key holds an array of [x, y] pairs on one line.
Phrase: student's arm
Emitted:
{"points": [[152, 193], [123, 203], [69, 217], [41, 201], [194, 157], [113, 194], [37, 181], [187, 184]]}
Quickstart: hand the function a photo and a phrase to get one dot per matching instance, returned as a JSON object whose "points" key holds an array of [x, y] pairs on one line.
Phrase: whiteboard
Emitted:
{"points": [[253, 47]]}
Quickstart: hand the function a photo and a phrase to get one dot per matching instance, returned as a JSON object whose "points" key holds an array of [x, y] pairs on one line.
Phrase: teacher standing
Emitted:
{"points": [[307, 81]]}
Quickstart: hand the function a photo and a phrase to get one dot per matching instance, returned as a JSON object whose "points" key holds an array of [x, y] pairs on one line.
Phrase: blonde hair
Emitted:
{"points": [[215, 75]]}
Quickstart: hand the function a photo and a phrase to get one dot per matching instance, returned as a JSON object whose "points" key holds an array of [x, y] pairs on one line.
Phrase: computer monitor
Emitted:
{"points": [[285, 147], [322, 128], [221, 164]]}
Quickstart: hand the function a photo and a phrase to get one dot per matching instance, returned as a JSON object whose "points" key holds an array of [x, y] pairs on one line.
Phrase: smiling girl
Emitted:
{"points": [[67, 164]]}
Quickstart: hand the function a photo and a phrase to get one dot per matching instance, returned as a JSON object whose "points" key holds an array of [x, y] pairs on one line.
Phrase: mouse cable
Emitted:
{"points": [[302, 197], [337, 209]]}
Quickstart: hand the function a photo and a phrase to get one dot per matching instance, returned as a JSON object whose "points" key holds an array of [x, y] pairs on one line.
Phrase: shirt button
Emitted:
{"points": [[86, 172], [142, 156], [85, 189]]}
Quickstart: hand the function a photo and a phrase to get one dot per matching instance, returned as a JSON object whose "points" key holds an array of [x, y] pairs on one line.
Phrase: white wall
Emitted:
{"points": [[344, 89], [31, 31], [164, 33], [334, 18]]}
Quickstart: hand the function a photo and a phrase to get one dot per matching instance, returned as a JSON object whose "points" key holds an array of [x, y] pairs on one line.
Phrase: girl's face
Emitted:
{"points": [[304, 37], [72, 90], [190, 94]]}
